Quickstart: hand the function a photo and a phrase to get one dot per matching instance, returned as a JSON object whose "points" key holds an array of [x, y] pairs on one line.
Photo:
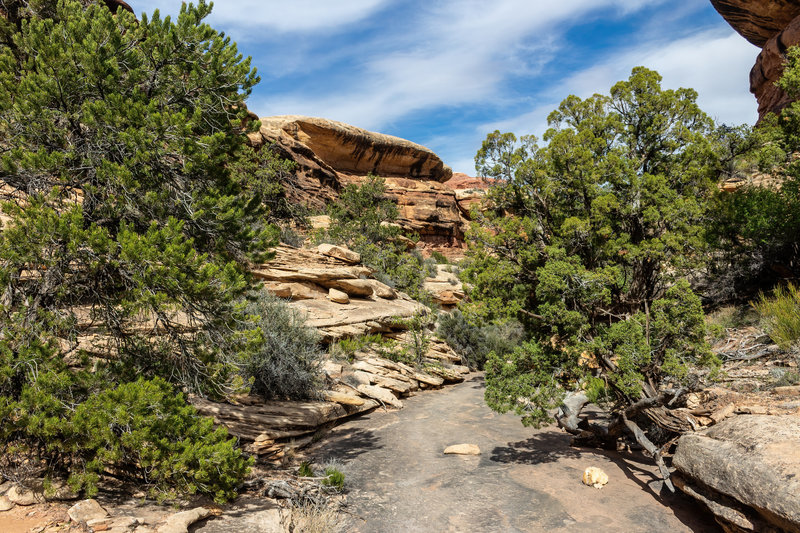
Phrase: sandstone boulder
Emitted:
{"points": [[746, 469], [307, 277], [180, 522], [445, 287], [337, 296], [757, 21], [23, 496], [339, 252], [86, 510]]}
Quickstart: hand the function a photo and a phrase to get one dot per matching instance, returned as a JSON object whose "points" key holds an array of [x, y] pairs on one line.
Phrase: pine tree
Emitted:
{"points": [[127, 225]]}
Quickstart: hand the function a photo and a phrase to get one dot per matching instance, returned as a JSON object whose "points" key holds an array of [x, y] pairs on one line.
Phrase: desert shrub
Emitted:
{"points": [[781, 314], [347, 347], [474, 343], [466, 339], [284, 363], [305, 470], [439, 257], [418, 327], [503, 337], [334, 478], [144, 431]]}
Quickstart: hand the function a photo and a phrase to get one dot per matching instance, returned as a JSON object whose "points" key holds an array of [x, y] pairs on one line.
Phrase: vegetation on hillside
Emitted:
{"points": [[365, 220]]}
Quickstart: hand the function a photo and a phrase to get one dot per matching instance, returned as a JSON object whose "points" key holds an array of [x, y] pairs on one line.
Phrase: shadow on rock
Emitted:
{"points": [[349, 445], [545, 447]]}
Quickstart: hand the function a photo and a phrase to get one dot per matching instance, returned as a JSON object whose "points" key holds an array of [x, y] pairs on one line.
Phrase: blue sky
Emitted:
{"points": [[444, 73]]}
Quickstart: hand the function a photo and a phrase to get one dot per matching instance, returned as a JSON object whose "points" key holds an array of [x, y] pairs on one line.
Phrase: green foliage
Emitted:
{"points": [[334, 479], [346, 348], [527, 381], [147, 427], [137, 205], [364, 219], [755, 227], [142, 430], [781, 314], [418, 327], [285, 361], [132, 208], [439, 257], [474, 343], [586, 241], [305, 470]]}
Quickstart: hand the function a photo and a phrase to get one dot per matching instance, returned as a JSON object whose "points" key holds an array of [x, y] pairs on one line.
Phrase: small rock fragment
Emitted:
{"points": [[462, 449], [337, 296], [594, 477], [86, 510]]}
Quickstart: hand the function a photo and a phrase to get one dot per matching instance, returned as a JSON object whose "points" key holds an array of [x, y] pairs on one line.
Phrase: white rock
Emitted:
{"points": [[339, 252], [594, 477], [180, 522], [86, 510], [380, 394], [22, 496], [462, 449], [5, 504], [337, 296]]}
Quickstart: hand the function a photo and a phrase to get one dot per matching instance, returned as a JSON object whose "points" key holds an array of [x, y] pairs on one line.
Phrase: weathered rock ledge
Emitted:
{"points": [[746, 469], [330, 155], [772, 25]]}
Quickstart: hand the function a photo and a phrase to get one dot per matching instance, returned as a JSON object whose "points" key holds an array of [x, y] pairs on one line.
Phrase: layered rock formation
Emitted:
{"points": [[331, 155], [313, 279], [773, 25], [746, 470]]}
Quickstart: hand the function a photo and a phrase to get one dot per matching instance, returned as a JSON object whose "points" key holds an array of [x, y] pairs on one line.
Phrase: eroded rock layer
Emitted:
{"points": [[773, 25], [758, 21], [331, 155]]}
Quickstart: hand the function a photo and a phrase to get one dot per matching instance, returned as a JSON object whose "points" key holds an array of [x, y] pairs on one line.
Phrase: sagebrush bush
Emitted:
{"points": [[285, 364], [474, 343], [781, 315]]}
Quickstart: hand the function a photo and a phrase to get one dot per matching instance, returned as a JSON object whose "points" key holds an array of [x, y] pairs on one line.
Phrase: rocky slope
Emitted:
{"points": [[773, 25], [330, 155]]}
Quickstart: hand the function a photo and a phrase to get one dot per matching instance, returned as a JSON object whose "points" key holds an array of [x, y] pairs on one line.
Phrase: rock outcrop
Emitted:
{"points": [[746, 469], [338, 297], [773, 25], [330, 155]]}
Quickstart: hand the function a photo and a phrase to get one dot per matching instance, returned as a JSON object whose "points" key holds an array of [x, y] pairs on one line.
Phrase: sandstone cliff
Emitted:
{"points": [[773, 25], [331, 155]]}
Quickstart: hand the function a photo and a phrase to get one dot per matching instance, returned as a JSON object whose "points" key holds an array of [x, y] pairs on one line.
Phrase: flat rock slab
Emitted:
{"points": [[524, 481], [753, 459], [180, 522]]}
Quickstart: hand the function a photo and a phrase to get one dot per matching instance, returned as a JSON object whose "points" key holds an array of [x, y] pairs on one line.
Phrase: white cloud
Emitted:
{"points": [[294, 16], [458, 52], [715, 63]]}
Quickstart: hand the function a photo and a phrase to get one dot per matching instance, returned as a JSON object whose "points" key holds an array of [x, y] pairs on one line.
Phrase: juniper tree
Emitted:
{"points": [[585, 243]]}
